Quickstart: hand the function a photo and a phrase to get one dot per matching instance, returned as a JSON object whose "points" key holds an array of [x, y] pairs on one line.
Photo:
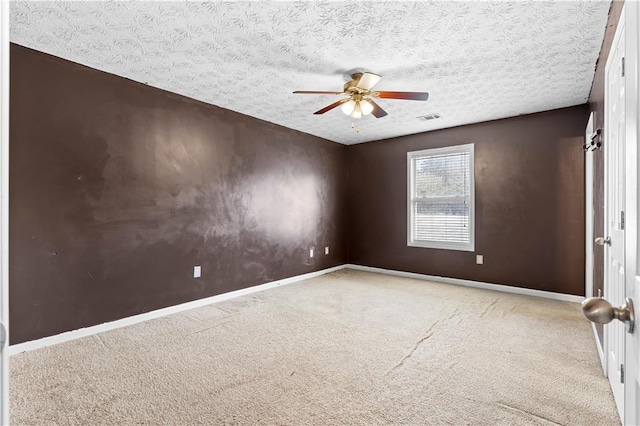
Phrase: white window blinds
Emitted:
{"points": [[441, 198]]}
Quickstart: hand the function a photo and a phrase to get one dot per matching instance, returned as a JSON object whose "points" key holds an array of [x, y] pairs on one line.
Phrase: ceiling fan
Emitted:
{"points": [[359, 100]]}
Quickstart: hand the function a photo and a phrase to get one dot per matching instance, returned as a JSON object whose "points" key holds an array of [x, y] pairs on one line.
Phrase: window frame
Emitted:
{"points": [[466, 148]]}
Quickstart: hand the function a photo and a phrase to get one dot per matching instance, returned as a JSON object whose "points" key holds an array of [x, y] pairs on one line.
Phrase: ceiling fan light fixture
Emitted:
{"points": [[366, 107], [348, 107], [357, 112]]}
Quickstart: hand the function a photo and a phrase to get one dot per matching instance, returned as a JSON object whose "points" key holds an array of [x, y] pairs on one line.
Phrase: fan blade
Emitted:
{"points": [[315, 92], [377, 111], [332, 106], [368, 80], [412, 96]]}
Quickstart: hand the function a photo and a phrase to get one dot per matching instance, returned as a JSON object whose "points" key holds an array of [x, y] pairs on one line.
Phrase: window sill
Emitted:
{"points": [[441, 246]]}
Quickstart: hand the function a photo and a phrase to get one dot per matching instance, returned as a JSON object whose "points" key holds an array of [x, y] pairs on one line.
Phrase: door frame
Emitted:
{"points": [[4, 208], [589, 213], [588, 204]]}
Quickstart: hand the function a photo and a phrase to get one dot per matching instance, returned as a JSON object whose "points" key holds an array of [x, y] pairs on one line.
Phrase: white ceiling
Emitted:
{"points": [[478, 60]]}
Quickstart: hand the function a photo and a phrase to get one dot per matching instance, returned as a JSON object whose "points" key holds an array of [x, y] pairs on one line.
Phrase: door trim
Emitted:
{"points": [[4, 207], [601, 352], [588, 205], [589, 214]]}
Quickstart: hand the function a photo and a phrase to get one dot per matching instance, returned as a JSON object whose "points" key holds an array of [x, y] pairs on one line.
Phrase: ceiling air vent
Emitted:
{"points": [[429, 117]]}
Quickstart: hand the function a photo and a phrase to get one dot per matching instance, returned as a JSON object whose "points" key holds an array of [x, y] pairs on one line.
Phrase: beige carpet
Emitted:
{"points": [[346, 348]]}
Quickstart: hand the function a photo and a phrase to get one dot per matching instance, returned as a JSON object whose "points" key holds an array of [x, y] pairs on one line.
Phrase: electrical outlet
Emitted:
{"points": [[310, 252], [479, 259], [197, 271], [326, 250]]}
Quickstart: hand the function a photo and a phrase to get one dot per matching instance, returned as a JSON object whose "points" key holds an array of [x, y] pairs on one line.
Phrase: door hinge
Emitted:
{"points": [[622, 220], [623, 66], [621, 373]]}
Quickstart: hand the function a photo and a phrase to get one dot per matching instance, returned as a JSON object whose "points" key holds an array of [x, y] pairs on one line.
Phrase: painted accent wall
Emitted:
{"points": [[529, 177], [596, 104], [118, 189]]}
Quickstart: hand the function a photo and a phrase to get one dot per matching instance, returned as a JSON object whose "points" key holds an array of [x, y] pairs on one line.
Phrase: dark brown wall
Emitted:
{"points": [[596, 104], [118, 189], [529, 175]]}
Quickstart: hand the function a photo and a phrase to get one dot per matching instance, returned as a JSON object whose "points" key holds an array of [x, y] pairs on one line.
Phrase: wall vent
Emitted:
{"points": [[429, 117]]}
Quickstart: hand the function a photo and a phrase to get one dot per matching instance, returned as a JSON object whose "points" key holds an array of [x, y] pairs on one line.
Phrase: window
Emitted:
{"points": [[441, 198]]}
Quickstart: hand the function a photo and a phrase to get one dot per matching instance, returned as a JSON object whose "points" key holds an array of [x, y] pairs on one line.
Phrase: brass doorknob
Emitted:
{"points": [[602, 241], [596, 309]]}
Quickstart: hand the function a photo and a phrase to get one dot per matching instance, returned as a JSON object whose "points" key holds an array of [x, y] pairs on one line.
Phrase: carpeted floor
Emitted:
{"points": [[345, 348]]}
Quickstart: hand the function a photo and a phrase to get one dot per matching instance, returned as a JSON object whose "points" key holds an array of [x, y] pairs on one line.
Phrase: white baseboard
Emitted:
{"points": [[124, 322], [600, 349], [476, 284]]}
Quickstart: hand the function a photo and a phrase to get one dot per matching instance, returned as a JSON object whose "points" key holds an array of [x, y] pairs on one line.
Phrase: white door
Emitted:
{"points": [[632, 340], [622, 215], [614, 253], [4, 211]]}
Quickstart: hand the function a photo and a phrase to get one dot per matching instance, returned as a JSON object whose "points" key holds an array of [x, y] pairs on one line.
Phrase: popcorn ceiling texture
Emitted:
{"points": [[479, 60]]}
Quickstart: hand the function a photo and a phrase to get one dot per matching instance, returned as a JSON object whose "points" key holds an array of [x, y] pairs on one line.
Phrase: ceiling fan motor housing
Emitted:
{"points": [[350, 86]]}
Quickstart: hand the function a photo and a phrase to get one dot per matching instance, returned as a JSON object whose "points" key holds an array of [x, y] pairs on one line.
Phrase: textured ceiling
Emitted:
{"points": [[478, 60]]}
